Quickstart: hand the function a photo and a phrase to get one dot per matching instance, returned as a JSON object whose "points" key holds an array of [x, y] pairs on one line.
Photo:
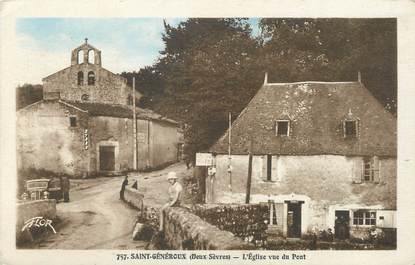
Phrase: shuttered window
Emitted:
{"points": [[270, 168], [366, 170]]}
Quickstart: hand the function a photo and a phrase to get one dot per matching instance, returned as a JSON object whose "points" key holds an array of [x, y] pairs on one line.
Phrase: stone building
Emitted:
{"points": [[84, 124], [323, 153]]}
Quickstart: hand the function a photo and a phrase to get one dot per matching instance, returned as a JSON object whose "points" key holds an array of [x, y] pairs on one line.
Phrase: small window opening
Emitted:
{"points": [[85, 97], [350, 128], [130, 100], [91, 78], [80, 78], [283, 128], [72, 121]]}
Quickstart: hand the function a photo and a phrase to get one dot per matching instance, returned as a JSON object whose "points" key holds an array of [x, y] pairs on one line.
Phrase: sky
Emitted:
{"points": [[44, 45]]}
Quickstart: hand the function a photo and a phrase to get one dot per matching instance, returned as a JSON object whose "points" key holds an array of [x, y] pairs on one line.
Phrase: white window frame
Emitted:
{"points": [[369, 169], [366, 215], [288, 127]]}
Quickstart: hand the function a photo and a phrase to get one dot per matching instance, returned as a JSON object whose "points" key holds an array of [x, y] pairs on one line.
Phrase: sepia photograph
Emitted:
{"points": [[207, 134], [221, 132]]}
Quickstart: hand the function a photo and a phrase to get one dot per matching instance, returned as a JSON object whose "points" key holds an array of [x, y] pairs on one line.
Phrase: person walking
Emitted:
{"points": [[123, 185], [175, 196]]}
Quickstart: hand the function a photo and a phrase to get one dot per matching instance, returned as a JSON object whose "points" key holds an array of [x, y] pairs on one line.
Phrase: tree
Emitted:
{"points": [[28, 94], [209, 67], [333, 50]]}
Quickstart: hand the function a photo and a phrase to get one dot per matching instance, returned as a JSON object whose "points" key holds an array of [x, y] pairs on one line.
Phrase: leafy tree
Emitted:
{"points": [[210, 67], [333, 50], [28, 94]]}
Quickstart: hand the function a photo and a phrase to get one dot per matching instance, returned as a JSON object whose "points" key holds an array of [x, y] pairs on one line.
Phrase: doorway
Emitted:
{"points": [[293, 219], [341, 225], [107, 158]]}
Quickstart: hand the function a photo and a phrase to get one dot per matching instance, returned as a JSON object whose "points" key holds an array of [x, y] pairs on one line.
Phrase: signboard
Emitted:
{"points": [[141, 138], [204, 159]]}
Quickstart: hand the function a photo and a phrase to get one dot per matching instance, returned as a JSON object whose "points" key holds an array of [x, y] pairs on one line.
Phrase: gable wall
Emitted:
{"points": [[46, 141], [109, 88]]}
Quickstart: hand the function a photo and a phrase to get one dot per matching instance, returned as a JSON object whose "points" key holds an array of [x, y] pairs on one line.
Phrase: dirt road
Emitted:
{"points": [[95, 217]]}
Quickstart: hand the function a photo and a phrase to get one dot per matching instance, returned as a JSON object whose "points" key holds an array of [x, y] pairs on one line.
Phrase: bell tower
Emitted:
{"points": [[86, 54]]}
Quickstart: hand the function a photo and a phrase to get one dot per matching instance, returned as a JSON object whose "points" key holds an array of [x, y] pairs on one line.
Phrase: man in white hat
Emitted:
{"points": [[175, 195]]}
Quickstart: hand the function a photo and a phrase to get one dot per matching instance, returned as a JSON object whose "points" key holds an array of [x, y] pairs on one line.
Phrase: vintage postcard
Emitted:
{"points": [[212, 133]]}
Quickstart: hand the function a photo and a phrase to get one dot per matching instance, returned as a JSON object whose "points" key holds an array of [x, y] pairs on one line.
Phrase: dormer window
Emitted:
{"points": [[282, 128], [91, 78], [350, 128], [350, 125]]}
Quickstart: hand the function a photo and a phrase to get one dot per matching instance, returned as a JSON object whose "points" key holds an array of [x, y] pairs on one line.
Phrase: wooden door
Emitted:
{"points": [[107, 158]]}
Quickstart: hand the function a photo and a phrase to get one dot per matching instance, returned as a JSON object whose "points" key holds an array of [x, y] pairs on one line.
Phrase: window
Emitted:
{"points": [[364, 217], [91, 56], [72, 121], [80, 78], [370, 169], [367, 170], [283, 128], [85, 97], [80, 56], [91, 78], [130, 100], [350, 128]]}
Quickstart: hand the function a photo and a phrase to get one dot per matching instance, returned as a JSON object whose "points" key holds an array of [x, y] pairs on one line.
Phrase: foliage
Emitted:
{"points": [[28, 94], [212, 67]]}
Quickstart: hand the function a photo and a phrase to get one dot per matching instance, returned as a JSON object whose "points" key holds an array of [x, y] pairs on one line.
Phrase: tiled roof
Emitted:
{"points": [[120, 111], [316, 111]]}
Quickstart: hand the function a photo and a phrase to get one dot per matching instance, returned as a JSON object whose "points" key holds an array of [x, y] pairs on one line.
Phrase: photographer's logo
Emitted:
{"points": [[38, 222]]}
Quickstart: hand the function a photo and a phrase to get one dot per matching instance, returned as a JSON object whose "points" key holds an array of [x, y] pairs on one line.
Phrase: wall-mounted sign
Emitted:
{"points": [[141, 137], [204, 159]]}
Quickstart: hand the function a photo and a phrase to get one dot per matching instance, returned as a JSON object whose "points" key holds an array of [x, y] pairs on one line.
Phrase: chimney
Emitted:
{"points": [[266, 78], [359, 77]]}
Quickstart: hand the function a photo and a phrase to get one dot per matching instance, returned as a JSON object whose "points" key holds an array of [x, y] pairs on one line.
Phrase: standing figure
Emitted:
{"points": [[123, 185], [175, 195]]}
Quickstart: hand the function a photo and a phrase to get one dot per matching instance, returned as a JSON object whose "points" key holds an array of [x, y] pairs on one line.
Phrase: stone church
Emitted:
{"points": [[84, 125]]}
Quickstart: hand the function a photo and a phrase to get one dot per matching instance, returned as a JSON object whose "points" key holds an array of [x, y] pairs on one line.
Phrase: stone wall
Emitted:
{"points": [[164, 143], [134, 198], [46, 140], [184, 230], [320, 181], [109, 88], [247, 221]]}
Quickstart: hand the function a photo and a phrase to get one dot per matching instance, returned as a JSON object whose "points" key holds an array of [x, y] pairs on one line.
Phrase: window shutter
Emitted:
{"points": [[279, 212], [264, 168], [274, 169], [358, 169], [343, 125], [376, 178]]}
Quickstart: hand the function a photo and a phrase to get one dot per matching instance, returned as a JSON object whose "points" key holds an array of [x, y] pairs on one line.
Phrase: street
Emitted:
{"points": [[95, 217]]}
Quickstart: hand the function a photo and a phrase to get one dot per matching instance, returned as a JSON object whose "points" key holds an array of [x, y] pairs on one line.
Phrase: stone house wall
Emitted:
{"points": [[324, 182], [46, 140]]}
